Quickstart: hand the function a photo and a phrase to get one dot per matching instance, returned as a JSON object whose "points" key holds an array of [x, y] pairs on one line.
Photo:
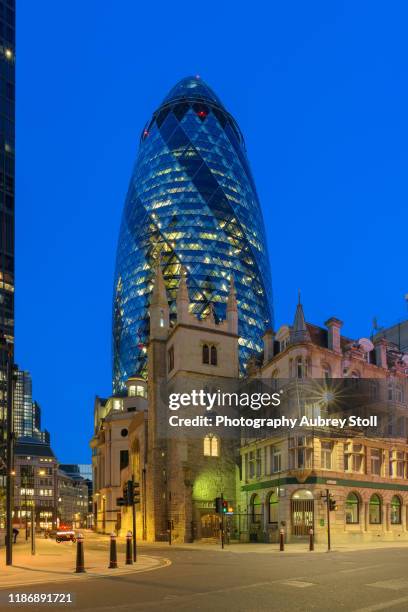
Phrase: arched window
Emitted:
{"points": [[211, 446], [256, 508], [396, 510], [214, 355], [374, 510], [206, 353], [352, 509], [161, 318], [273, 508]]}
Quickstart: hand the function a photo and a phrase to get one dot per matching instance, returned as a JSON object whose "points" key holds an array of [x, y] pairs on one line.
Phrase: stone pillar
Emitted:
{"points": [[387, 508], [365, 525]]}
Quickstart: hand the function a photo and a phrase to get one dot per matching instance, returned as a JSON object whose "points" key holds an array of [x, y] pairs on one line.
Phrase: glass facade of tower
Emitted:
{"points": [[23, 405], [7, 174], [192, 202]]}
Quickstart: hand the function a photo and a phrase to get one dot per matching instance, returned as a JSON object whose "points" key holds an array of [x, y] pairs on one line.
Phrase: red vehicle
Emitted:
{"points": [[65, 536]]}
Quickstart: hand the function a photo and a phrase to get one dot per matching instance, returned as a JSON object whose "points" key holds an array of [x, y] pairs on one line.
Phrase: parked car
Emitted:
{"points": [[65, 536]]}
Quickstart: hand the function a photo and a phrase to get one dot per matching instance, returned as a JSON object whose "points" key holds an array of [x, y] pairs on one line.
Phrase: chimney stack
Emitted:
{"points": [[333, 335]]}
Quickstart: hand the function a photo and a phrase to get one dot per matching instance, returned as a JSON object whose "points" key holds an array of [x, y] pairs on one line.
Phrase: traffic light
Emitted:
{"points": [[224, 507], [218, 505], [128, 493], [136, 493], [332, 504]]}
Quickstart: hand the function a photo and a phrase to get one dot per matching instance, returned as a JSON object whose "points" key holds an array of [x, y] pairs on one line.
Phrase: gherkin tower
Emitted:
{"points": [[192, 202]]}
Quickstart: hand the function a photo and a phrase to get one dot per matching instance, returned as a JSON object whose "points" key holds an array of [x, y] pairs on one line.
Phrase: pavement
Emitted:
{"points": [[56, 562]]}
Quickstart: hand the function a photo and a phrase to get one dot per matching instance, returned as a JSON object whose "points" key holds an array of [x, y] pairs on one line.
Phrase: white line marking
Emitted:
{"points": [[383, 606]]}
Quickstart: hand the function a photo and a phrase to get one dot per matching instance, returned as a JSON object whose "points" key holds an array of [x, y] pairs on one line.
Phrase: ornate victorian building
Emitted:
{"points": [[271, 481]]}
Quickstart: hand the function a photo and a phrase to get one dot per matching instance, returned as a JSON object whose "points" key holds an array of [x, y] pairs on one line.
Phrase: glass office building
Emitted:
{"points": [[23, 404], [7, 175], [192, 202]]}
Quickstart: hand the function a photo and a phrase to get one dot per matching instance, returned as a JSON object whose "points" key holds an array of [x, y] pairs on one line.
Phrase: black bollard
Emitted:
{"points": [[113, 559], [80, 565], [311, 540], [129, 560], [281, 540]]}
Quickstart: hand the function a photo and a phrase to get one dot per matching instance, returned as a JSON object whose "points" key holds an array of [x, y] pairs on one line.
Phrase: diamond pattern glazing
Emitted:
{"points": [[192, 201]]}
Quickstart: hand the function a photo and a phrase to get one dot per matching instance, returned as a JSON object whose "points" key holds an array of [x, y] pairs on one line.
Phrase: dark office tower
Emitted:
{"points": [[7, 154], [192, 202], [23, 404]]}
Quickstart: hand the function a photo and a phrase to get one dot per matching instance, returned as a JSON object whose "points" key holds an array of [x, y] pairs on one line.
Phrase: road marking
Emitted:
{"points": [[359, 569], [298, 583], [192, 596], [395, 584], [383, 606]]}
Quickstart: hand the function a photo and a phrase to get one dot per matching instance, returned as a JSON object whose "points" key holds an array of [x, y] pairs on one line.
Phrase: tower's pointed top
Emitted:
{"points": [[192, 88], [182, 291], [159, 295], [232, 297], [300, 332]]}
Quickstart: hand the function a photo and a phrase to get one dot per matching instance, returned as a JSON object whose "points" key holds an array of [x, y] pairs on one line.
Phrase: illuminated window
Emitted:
{"points": [[256, 508], [398, 464], [352, 509], [376, 455], [354, 457], [326, 450], [211, 446], [374, 510], [396, 510], [276, 459], [300, 452], [273, 507]]}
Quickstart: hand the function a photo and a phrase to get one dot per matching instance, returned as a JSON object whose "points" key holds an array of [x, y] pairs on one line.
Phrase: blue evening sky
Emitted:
{"points": [[320, 91]]}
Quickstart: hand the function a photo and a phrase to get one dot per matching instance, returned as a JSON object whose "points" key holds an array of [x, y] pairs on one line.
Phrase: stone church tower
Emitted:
{"points": [[187, 467]]}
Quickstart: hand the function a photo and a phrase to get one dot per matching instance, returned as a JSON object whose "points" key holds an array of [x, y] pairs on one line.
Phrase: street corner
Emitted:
{"points": [[25, 573], [145, 563]]}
